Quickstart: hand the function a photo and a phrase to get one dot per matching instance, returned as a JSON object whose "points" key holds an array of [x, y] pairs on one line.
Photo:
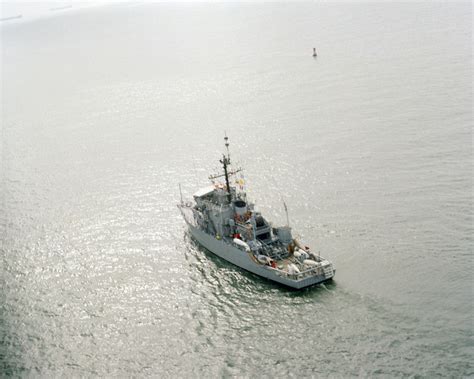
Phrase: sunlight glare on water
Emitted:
{"points": [[106, 110]]}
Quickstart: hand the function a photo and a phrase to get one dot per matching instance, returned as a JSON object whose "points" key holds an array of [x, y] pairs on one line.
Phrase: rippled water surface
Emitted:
{"points": [[105, 110]]}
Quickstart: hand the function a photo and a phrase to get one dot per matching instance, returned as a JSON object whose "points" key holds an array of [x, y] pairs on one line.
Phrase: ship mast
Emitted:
{"points": [[227, 173], [226, 162]]}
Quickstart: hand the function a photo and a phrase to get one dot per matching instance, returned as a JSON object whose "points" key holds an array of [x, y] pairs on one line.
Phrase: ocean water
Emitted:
{"points": [[104, 111]]}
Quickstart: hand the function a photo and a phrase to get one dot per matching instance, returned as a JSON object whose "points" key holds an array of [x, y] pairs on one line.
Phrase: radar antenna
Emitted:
{"points": [[226, 139]]}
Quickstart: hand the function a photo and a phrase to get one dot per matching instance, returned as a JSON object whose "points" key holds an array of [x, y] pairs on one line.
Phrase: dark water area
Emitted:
{"points": [[104, 111]]}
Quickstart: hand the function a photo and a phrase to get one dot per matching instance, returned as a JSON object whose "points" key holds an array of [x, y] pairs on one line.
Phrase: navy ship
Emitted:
{"points": [[225, 222]]}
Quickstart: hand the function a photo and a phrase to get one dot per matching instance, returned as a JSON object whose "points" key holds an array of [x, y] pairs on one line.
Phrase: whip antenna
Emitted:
{"points": [[286, 211]]}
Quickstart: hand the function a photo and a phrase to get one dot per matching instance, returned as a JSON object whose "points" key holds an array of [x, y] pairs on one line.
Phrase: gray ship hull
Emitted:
{"points": [[241, 258]]}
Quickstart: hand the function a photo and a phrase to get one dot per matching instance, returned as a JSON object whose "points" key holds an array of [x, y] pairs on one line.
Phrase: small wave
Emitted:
{"points": [[11, 18], [54, 9]]}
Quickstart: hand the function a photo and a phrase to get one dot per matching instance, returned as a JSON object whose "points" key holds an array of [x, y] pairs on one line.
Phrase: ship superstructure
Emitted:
{"points": [[223, 221]]}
